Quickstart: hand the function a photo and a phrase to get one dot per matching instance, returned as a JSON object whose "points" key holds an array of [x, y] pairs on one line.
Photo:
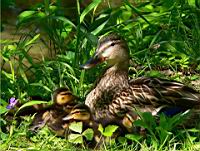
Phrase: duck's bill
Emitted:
{"points": [[67, 118], [92, 62]]}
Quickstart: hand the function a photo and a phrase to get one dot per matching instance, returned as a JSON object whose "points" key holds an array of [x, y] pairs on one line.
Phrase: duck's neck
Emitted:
{"points": [[114, 76], [120, 66], [114, 79]]}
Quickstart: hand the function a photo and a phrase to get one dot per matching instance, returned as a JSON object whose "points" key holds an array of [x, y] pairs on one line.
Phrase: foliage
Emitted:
{"points": [[108, 131], [160, 34], [77, 138], [163, 132]]}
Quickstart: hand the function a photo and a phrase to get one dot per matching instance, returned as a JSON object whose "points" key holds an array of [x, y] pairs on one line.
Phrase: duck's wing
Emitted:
{"points": [[158, 92]]}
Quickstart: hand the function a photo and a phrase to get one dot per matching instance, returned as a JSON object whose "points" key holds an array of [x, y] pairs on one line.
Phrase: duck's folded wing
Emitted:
{"points": [[157, 92]]}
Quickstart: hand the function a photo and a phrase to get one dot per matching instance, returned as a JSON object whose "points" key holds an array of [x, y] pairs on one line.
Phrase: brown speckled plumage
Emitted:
{"points": [[114, 95]]}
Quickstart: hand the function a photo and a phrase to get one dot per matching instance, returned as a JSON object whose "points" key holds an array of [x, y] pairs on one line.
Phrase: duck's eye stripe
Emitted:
{"points": [[66, 93], [106, 45], [112, 44]]}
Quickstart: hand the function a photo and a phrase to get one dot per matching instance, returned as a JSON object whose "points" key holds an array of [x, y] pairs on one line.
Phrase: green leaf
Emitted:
{"points": [[191, 3], [32, 40], [3, 102], [100, 128], [140, 123], [108, 131], [25, 14], [89, 134], [3, 136], [23, 75], [76, 127], [3, 110], [99, 28], [30, 104], [65, 20], [75, 138], [194, 130], [122, 140], [92, 5], [41, 85], [133, 137]]}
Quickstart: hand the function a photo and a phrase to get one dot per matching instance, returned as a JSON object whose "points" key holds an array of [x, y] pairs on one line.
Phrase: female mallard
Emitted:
{"points": [[115, 95]]}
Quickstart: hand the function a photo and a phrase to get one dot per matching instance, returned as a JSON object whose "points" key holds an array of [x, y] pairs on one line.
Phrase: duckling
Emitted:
{"points": [[82, 113], [52, 116], [114, 95]]}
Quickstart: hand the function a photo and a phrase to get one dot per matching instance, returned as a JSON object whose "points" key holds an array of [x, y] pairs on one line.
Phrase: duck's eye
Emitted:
{"points": [[62, 98], [112, 44]]}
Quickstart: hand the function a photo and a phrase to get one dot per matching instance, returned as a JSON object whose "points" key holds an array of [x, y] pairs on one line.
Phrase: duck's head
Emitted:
{"points": [[112, 49], [63, 96], [80, 112]]}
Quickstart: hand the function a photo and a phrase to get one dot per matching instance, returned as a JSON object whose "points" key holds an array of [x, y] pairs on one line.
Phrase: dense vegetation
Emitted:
{"points": [[164, 41]]}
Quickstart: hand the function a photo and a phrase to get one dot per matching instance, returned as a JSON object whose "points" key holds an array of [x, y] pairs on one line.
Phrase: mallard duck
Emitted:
{"points": [[52, 116], [115, 95]]}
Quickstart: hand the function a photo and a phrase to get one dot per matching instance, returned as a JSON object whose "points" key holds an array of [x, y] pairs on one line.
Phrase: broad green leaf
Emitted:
{"points": [[3, 110], [75, 138], [191, 3], [76, 127], [3, 102], [140, 123], [41, 15], [109, 130], [3, 136], [88, 133], [91, 6], [26, 14], [148, 119]]}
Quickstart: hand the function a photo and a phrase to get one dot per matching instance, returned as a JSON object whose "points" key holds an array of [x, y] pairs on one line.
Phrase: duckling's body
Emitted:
{"points": [[52, 116], [82, 113], [115, 95]]}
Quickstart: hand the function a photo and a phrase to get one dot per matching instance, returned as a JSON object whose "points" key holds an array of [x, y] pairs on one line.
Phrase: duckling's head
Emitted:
{"points": [[80, 112], [112, 49], [63, 96]]}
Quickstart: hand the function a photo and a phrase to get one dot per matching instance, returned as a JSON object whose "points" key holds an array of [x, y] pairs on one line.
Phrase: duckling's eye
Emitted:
{"points": [[62, 98], [112, 44]]}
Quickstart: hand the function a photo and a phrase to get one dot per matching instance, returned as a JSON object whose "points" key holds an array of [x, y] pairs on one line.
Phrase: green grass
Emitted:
{"points": [[45, 140], [162, 35]]}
